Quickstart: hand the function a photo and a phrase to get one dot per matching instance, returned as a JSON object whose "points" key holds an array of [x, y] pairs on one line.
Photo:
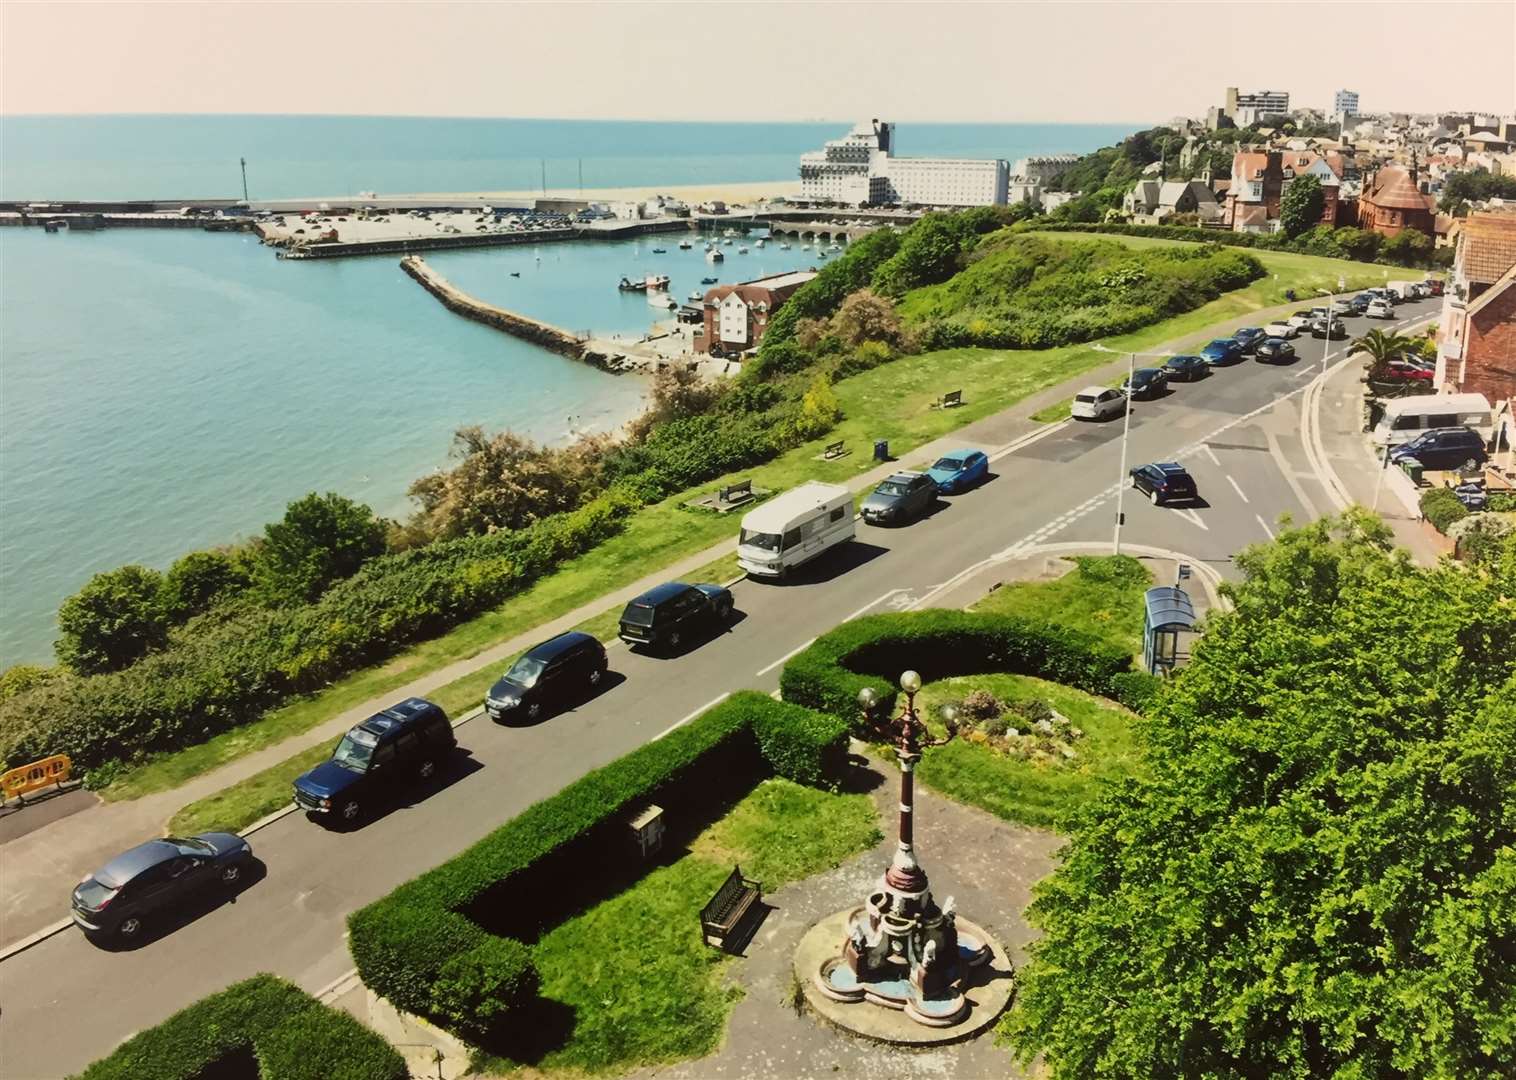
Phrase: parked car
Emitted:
{"points": [[1435, 286], [1164, 482], [1248, 337], [1405, 371], [392, 750], [1336, 331], [1221, 351], [959, 470], [670, 614], [1343, 307], [791, 529], [1282, 329], [899, 498], [547, 676], [1361, 302], [124, 895], [1443, 448], [1380, 309], [1186, 367], [1146, 382], [1097, 403], [1301, 320], [1275, 350]]}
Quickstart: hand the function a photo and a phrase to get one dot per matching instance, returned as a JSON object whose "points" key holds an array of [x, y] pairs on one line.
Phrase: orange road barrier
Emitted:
{"points": [[39, 774]]}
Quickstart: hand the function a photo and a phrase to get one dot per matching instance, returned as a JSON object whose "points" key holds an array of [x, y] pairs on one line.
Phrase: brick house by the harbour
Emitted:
{"points": [[1477, 331], [737, 315]]}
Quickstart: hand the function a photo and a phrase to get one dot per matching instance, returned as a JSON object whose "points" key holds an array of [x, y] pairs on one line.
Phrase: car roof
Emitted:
{"points": [[130, 863], [397, 715], [1170, 468], [1182, 356], [1095, 390], [559, 645], [659, 593], [958, 455], [1219, 341], [903, 477]]}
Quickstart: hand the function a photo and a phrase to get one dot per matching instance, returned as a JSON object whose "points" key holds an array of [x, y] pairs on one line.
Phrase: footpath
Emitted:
{"points": [[43, 864]]}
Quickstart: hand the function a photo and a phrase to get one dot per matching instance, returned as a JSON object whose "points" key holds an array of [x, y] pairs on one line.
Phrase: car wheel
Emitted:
{"points": [[1470, 465], [351, 810], [427, 769], [1154, 497], [724, 610], [231, 874], [596, 674], [534, 710], [130, 927], [674, 639]]}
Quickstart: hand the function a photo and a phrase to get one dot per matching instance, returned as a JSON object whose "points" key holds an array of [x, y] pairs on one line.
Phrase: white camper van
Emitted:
{"points": [[794, 528], [1405, 418]]}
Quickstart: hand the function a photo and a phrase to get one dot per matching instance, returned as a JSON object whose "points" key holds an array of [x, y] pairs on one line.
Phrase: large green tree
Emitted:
{"points": [[321, 539], [1317, 876], [1300, 208], [115, 619]]}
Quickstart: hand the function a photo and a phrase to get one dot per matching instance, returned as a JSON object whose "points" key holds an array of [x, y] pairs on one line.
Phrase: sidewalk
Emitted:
{"points": [[42, 864]]}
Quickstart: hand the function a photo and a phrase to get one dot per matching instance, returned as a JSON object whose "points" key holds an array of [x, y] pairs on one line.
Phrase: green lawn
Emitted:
{"points": [[644, 989], [1101, 595], [890, 402], [1020, 790]]}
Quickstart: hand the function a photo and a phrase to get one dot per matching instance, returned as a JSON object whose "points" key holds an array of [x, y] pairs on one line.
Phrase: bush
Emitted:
{"points": [[1137, 690], [291, 1035], [320, 540], [476, 991], [981, 705], [801, 745], [19, 678], [1441, 507], [114, 620], [200, 580]]}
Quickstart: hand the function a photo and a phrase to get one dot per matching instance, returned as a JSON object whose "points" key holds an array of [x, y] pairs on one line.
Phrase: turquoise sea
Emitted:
{"points": [[162, 391]]}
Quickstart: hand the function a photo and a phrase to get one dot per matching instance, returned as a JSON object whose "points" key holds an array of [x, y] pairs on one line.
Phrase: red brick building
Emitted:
{"points": [[737, 315], [1261, 177], [1477, 331], [1391, 203]]}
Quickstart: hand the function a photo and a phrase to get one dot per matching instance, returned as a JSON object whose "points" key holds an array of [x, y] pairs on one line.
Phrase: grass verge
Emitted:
{"points": [[1100, 595]]}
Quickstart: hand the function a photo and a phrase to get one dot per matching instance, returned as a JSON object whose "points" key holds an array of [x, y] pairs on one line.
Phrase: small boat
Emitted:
{"points": [[685, 245], [651, 283], [696, 296], [726, 243], [714, 255], [784, 246], [709, 280], [660, 251], [761, 242], [661, 299], [515, 273], [820, 252], [742, 251]]}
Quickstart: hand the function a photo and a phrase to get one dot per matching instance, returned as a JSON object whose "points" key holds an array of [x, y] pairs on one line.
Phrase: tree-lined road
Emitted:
{"points": [[1238, 431]]}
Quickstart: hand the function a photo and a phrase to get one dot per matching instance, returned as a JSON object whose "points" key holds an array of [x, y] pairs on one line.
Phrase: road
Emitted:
{"points": [[1238, 431]]}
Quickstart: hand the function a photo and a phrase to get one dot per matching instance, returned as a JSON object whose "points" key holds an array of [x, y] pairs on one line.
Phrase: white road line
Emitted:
{"points": [[1305, 369], [1211, 454], [865, 607], [1235, 488], [708, 705], [785, 657], [1191, 516], [1265, 525], [1028, 440]]}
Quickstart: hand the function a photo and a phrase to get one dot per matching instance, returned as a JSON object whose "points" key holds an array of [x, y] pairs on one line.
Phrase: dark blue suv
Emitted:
{"points": [[1249, 337], [401, 746], [1221, 351]]}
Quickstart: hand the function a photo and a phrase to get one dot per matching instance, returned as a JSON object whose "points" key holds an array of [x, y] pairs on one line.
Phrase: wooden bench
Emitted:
{"points": [[735, 493], [834, 450], [721, 920], [951, 400]]}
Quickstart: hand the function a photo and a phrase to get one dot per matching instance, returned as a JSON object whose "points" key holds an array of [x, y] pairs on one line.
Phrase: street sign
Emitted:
{"points": [[1184, 571]]}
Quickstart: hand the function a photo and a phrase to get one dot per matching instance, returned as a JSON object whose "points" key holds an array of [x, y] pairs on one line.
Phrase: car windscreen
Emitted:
{"points": [[525, 672], [1085, 398], [638, 615], [761, 540], [93, 894], [192, 845], [888, 488], [948, 464], [355, 750]]}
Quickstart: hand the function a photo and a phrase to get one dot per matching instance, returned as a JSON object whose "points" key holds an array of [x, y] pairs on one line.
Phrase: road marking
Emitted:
{"points": [[1305, 369], [1191, 516], [1235, 488], [1290, 476], [872, 603], [1028, 440], [785, 657], [1265, 525], [675, 727], [1211, 454]]}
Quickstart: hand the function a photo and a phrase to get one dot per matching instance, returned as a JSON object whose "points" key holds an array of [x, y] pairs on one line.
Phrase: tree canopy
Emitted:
{"points": [[320, 540], [116, 618], [1317, 877], [1301, 206]]}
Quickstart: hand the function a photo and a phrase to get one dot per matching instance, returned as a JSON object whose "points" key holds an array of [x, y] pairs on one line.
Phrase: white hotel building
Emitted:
{"points": [[859, 168]]}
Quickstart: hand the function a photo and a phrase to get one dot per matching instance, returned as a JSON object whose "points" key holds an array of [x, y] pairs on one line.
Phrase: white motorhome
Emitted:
{"points": [[792, 529], [1402, 290], [1405, 418]]}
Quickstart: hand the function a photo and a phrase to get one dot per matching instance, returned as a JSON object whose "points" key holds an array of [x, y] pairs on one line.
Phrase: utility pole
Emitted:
{"points": [[1126, 426], [544, 175], [244, 178]]}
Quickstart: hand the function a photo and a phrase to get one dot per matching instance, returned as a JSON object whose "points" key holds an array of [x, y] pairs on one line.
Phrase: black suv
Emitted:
{"points": [[399, 746], [1443, 448], [549, 674], [667, 615]]}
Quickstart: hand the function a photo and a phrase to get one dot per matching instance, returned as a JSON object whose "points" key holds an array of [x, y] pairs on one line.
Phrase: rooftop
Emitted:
{"points": [[1488, 247]]}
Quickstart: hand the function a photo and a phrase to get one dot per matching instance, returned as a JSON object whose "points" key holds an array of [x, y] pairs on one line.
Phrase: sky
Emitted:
{"points": [[745, 61]]}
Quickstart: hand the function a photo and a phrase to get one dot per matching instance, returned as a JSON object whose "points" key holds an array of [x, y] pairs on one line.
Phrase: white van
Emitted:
{"points": [[1406, 418], [794, 528]]}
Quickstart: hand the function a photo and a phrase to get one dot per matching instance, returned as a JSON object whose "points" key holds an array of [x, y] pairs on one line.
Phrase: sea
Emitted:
{"points": [[167, 390]]}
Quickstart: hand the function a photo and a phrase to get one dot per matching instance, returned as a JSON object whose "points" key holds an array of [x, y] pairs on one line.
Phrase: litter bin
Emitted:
{"points": [[1413, 469], [881, 450]]}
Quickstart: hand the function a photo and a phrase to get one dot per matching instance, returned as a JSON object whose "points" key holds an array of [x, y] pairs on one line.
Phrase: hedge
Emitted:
{"points": [[402, 943], [1442, 508], [939, 644], [289, 1034]]}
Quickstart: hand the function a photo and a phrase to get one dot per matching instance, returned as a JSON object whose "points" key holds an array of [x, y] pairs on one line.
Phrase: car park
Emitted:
{"points": [[668, 615], [1097, 403], [397, 748], [1407, 417], [1281, 330], [548, 676], [1336, 331], [1443, 448], [1275, 350], [1164, 482], [1301, 320], [959, 470], [1221, 351], [151, 880], [1248, 337], [1145, 383], [1185, 367], [1380, 309], [792, 529], [900, 497]]}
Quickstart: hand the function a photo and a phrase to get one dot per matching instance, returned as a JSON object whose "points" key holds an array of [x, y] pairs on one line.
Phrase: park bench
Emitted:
{"points": [[834, 450], [722, 920], [735, 493], [951, 400]]}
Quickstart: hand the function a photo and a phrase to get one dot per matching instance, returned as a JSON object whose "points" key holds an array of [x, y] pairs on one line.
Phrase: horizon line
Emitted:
{"points": [[542, 119]]}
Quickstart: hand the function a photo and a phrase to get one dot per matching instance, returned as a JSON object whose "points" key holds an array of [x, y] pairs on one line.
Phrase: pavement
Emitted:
{"points": [[1242, 431]]}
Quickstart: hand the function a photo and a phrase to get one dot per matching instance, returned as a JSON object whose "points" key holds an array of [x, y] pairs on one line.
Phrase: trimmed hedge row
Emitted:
{"points": [[289, 1034], [1442, 508], [940, 644], [402, 943]]}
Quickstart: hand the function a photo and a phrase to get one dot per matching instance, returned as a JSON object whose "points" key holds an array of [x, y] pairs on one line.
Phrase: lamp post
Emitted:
{"points": [[1126, 427]]}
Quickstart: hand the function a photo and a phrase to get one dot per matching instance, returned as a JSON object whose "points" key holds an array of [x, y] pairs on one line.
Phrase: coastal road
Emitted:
{"points": [[65, 1002]]}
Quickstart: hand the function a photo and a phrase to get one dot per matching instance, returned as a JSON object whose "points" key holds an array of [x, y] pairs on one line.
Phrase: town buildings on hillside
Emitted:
{"points": [[1476, 344], [862, 168]]}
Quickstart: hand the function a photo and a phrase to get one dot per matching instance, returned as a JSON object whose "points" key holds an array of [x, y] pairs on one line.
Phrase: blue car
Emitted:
{"points": [[960, 470], [1221, 351]]}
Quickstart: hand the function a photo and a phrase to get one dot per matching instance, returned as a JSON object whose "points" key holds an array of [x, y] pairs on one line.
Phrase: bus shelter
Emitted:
{"points": [[1168, 612]]}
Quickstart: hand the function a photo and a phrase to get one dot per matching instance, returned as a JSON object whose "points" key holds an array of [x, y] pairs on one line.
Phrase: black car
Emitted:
{"points": [[548, 675], [899, 498], [1146, 382], [667, 615], [119, 899], [1338, 330], [399, 747], [1361, 303], [1443, 448], [1164, 482], [1275, 350], [1189, 368], [1249, 337]]}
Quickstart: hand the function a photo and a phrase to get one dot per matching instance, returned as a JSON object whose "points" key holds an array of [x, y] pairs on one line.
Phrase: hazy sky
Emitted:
{"points": [[714, 60]]}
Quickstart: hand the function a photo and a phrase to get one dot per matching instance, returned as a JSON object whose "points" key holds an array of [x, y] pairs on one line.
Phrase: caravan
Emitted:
{"points": [[792, 529], [1405, 418]]}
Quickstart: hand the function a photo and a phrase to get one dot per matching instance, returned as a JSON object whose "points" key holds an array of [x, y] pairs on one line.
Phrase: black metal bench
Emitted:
{"points": [[738, 492], [951, 400], [722, 920], [834, 450]]}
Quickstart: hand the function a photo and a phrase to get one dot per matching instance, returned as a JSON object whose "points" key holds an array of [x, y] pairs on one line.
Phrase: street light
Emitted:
{"points": [[1126, 427]]}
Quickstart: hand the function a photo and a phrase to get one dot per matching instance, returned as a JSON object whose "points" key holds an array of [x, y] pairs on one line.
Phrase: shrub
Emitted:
{"points": [[476, 991], [801, 745], [1137, 690], [19, 678], [115, 619], [320, 540], [981, 705], [1478, 538], [200, 580], [290, 1034], [1441, 507]]}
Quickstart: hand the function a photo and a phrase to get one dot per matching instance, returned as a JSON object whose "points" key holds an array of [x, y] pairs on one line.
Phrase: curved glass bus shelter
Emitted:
{"points": [[1168, 612]]}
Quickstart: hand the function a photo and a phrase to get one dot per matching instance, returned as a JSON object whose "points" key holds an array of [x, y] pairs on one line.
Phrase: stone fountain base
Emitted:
{"points": [[886, 1011]]}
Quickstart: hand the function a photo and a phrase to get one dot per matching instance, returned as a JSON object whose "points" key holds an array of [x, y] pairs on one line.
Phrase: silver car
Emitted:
{"points": [[1097, 403]]}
